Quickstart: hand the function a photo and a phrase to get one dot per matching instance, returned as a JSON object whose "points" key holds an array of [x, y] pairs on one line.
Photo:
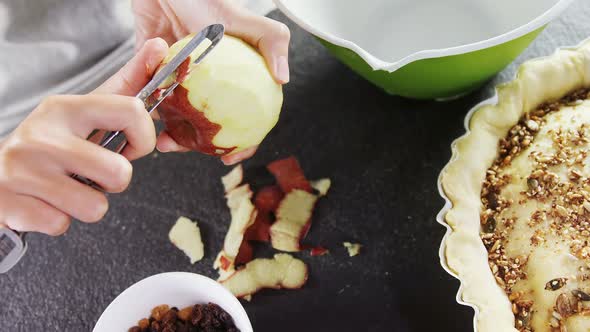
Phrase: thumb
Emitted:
{"points": [[138, 71]]}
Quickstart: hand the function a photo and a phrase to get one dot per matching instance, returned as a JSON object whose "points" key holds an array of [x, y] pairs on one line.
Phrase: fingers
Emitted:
{"points": [[36, 191], [108, 169], [28, 214], [83, 114], [165, 143], [58, 190], [235, 158], [130, 79], [269, 36]]}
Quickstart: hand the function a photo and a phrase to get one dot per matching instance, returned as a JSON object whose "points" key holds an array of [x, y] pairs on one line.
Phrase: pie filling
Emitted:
{"points": [[536, 216]]}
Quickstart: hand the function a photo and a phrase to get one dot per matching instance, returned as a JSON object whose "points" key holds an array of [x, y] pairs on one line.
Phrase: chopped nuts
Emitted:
{"points": [[563, 305], [561, 207], [532, 125], [556, 284], [582, 296]]}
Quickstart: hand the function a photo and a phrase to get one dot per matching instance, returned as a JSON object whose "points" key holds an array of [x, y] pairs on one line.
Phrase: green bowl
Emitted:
{"points": [[465, 50]]}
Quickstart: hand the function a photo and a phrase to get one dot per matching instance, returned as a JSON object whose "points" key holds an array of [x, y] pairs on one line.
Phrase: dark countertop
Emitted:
{"points": [[383, 154]]}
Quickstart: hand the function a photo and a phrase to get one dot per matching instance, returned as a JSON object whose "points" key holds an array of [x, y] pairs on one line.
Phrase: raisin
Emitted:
{"points": [[169, 328], [198, 318], [197, 314], [155, 327], [182, 327], [159, 311], [169, 317]]}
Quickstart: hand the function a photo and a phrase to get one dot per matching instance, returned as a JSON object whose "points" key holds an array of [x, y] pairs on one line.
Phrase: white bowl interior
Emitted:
{"points": [[393, 29], [179, 289]]}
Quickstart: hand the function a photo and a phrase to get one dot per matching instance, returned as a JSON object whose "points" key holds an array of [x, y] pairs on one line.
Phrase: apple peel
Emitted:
{"points": [[319, 251], [353, 248], [243, 215], [321, 186], [293, 220], [260, 230], [268, 198], [237, 196], [233, 179], [282, 271], [245, 253], [186, 236], [289, 175]]}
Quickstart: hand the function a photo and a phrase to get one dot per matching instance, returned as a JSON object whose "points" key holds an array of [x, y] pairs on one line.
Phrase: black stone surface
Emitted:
{"points": [[383, 154]]}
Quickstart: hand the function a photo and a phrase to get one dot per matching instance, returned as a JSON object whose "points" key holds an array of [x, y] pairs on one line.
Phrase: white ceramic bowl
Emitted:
{"points": [[178, 289]]}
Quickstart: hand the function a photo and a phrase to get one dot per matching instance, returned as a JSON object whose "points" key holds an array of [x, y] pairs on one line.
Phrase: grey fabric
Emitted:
{"points": [[62, 47], [57, 46]]}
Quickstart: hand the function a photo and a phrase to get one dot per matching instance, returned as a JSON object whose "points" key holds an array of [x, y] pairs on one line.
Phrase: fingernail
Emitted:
{"points": [[282, 69], [228, 160], [163, 147]]}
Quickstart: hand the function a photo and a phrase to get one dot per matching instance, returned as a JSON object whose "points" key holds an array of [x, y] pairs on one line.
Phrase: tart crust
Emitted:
{"points": [[462, 252]]}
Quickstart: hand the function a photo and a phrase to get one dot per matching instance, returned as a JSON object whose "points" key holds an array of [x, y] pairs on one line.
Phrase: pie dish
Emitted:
{"points": [[518, 200]]}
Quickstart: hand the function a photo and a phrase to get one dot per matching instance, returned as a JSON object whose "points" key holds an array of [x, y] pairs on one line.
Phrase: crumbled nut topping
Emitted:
{"points": [[566, 212]]}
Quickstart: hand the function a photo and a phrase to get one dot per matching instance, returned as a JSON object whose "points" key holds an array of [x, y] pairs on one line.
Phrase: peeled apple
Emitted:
{"points": [[227, 103]]}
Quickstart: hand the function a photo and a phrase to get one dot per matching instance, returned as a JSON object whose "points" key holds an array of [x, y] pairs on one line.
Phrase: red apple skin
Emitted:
{"points": [[268, 198], [318, 251], [245, 254], [260, 229], [188, 126], [289, 175], [225, 263]]}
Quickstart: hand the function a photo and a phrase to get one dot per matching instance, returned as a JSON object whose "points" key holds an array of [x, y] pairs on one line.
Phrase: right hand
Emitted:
{"points": [[37, 159]]}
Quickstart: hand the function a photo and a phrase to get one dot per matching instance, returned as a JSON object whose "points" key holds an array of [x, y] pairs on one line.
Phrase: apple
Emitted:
{"points": [[282, 271], [227, 103], [293, 220], [186, 236]]}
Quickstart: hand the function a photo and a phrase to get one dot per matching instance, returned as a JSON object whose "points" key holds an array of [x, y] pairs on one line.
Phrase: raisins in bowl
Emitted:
{"points": [[200, 317]]}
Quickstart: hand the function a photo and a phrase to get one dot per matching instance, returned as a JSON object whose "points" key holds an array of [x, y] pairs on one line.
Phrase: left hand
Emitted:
{"points": [[174, 19]]}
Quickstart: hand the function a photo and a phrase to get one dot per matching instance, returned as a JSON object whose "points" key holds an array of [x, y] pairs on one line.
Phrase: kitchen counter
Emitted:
{"points": [[383, 155]]}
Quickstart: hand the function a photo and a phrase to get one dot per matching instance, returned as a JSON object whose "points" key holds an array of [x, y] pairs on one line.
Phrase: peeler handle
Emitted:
{"points": [[12, 243], [12, 248]]}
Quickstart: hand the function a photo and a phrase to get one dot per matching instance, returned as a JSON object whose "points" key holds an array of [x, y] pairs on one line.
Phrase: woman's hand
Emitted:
{"points": [[36, 160], [174, 19]]}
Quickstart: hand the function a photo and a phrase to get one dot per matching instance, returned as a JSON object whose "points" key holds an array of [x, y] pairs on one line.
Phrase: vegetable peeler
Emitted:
{"points": [[12, 243]]}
